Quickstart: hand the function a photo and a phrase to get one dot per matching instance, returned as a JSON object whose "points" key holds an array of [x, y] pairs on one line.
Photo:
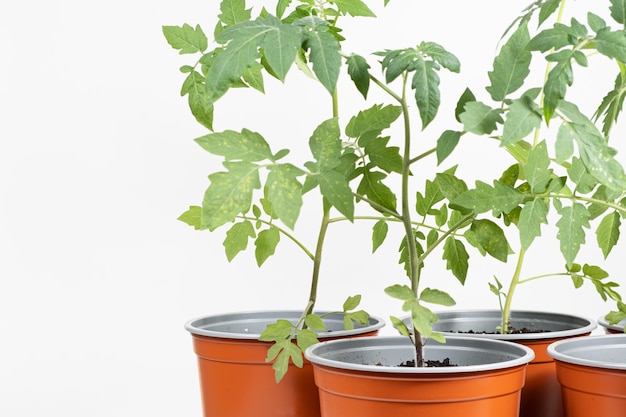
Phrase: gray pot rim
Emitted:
{"points": [[525, 354], [587, 324], [573, 350], [205, 325], [619, 327]]}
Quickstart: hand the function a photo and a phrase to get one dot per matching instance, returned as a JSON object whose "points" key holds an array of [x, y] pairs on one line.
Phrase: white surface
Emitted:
{"points": [[97, 160]]}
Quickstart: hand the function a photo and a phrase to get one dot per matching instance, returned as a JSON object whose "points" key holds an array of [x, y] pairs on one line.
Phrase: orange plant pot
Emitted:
{"points": [[541, 395], [235, 379], [592, 373], [359, 379]]}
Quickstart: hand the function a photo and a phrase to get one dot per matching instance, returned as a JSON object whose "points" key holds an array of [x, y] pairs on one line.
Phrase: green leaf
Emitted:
{"points": [[536, 169], [612, 103], [559, 78], [456, 258], [354, 8], [375, 119], [483, 198], [198, 101], [306, 338], [284, 191], [425, 83], [440, 55], [612, 44], [564, 144], [523, 117], [511, 66], [186, 39], [480, 119], [594, 272], [323, 50], [446, 143], [618, 11], [379, 234], [358, 69], [315, 322], [253, 76], [435, 296], [554, 38], [400, 326], [325, 144], [233, 12], [237, 238], [281, 6], [192, 217], [372, 187], [280, 47], [491, 237], [400, 292], [334, 187], [351, 303], [571, 234], [266, 244], [234, 146], [432, 196], [533, 215], [275, 332], [387, 158], [422, 319], [450, 185], [608, 232], [229, 194]]}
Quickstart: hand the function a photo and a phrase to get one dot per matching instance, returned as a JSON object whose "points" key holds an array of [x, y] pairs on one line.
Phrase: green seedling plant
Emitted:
{"points": [[259, 194], [564, 168]]}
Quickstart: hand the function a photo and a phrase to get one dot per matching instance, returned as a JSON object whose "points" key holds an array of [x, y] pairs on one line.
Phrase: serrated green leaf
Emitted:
{"points": [[253, 76], [564, 145], [480, 119], [229, 194], [612, 103], [446, 143], [594, 272], [358, 69], [434, 296], [280, 47], [536, 169], [192, 217], [306, 338], [351, 303], [400, 292], [323, 50], [385, 157], [360, 317], [237, 238], [315, 322], [559, 78], [372, 187], [450, 185], [612, 44], [523, 117], [284, 191], [425, 84], [198, 101], [554, 38], [325, 144], [618, 11], [456, 257], [491, 238], [186, 39], [278, 331], [440, 55], [608, 232], [354, 8], [335, 189], [375, 119], [281, 6], [266, 243], [511, 66], [379, 233], [234, 146], [533, 215], [571, 234], [483, 198], [422, 319], [233, 11]]}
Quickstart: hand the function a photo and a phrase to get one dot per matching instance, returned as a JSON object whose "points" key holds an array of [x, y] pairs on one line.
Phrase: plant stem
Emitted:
{"points": [[506, 312]]}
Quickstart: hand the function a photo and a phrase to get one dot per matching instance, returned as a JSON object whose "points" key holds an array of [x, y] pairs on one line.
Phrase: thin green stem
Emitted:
{"points": [[506, 312], [282, 231], [536, 277], [445, 235]]}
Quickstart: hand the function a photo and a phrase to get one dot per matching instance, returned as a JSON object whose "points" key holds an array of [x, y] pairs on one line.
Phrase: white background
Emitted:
{"points": [[97, 160]]}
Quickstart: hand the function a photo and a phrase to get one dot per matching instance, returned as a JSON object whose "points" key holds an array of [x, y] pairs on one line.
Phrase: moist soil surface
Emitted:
{"points": [[512, 330]]}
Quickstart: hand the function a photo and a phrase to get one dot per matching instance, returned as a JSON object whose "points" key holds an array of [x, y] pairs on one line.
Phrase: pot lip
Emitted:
{"points": [[199, 326], [568, 350], [526, 355], [617, 327], [587, 324]]}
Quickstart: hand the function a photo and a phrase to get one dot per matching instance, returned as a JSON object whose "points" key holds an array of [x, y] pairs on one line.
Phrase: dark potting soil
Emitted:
{"points": [[428, 364], [512, 330]]}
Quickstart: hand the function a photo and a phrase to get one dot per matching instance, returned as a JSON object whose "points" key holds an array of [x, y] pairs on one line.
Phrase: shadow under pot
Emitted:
{"points": [[592, 373], [363, 377], [541, 395], [235, 379]]}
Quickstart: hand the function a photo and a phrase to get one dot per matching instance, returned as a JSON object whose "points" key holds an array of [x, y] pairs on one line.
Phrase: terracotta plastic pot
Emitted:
{"points": [[612, 328], [541, 395], [235, 380], [359, 377], [592, 373]]}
